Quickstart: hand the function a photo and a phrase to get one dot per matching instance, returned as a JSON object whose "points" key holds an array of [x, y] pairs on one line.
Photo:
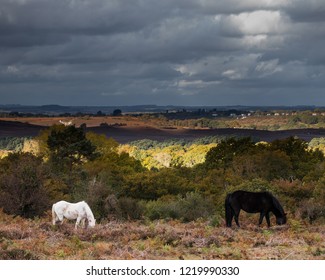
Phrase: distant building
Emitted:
{"points": [[65, 123]]}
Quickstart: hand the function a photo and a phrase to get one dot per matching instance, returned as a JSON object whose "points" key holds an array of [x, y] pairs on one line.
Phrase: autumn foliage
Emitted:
{"points": [[150, 181]]}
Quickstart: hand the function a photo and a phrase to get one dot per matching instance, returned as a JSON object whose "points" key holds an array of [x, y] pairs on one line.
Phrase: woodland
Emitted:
{"points": [[140, 186]]}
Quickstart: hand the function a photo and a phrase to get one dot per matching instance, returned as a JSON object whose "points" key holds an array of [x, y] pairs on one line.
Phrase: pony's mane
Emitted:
{"points": [[88, 210], [277, 205]]}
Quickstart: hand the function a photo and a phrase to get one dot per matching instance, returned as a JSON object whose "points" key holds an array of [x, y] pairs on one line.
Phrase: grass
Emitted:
{"points": [[38, 239]]}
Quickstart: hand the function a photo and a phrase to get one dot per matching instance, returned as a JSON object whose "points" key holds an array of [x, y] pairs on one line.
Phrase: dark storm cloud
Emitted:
{"points": [[307, 11], [168, 52]]}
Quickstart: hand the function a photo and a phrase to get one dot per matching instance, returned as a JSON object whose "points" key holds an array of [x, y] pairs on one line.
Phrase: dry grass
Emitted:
{"points": [[38, 239]]}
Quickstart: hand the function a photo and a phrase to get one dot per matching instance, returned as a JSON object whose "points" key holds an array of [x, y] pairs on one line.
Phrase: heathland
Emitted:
{"points": [[157, 184]]}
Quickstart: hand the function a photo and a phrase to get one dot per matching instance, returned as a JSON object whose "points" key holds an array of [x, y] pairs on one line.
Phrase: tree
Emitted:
{"points": [[104, 146], [117, 112], [303, 159], [222, 155], [21, 185], [152, 185], [100, 114], [70, 146], [264, 164]]}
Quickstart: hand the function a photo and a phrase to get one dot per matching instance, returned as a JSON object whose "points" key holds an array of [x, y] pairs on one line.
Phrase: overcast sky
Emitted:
{"points": [[164, 52]]}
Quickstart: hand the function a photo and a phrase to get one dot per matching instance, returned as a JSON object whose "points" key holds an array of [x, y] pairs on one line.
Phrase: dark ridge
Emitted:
{"points": [[18, 129], [129, 134]]}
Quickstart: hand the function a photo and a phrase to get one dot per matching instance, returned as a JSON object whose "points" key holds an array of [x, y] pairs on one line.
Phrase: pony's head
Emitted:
{"points": [[281, 220], [281, 216], [91, 222]]}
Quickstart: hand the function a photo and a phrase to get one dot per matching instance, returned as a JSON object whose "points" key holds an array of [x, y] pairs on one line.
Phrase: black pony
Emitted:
{"points": [[253, 202]]}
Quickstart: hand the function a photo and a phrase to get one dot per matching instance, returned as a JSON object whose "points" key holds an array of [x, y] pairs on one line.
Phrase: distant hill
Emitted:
{"points": [[53, 109]]}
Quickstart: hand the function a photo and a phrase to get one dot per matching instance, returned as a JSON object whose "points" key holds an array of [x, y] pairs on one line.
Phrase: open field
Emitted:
{"points": [[89, 121], [135, 129], [38, 239]]}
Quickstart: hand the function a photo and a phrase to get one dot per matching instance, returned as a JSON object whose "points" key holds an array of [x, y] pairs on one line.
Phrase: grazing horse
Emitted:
{"points": [[79, 211], [253, 202]]}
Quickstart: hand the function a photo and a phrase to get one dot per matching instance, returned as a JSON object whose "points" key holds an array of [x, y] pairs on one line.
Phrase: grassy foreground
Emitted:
{"points": [[38, 239]]}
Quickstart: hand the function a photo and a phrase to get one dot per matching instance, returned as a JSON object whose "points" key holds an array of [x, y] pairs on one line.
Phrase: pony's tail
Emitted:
{"points": [[228, 211]]}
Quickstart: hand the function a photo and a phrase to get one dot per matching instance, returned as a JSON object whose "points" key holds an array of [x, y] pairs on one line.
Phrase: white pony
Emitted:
{"points": [[80, 211]]}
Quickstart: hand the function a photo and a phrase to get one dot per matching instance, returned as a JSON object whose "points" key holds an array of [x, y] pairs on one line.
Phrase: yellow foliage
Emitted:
{"points": [[31, 146], [4, 153], [174, 155]]}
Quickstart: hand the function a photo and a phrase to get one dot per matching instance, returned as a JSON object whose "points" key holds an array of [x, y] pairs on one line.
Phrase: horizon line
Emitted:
{"points": [[156, 105]]}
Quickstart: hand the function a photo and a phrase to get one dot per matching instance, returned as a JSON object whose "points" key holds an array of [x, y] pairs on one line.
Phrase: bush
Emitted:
{"points": [[293, 193], [188, 208], [215, 220], [194, 206], [153, 185], [255, 185], [130, 208], [105, 204], [160, 209], [21, 186], [101, 199], [312, 210]]}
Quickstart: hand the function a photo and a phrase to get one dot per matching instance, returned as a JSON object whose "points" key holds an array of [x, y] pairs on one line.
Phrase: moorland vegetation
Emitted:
{"points": [[142, 183]]}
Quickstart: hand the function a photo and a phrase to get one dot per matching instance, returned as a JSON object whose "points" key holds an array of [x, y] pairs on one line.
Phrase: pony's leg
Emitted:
{"points": [[61, 219], [83, 222], [236, 218], [54, 219], [261, 218], [267, 217], [230, 219], [77, 222]]}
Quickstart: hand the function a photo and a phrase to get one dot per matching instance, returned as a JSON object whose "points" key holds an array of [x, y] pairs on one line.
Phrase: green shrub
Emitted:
{"points": [[22, 191], [188, 208], [312, 210], [160, 209], [215, 220], [130, 208], [106, 205], [194, 206]]}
